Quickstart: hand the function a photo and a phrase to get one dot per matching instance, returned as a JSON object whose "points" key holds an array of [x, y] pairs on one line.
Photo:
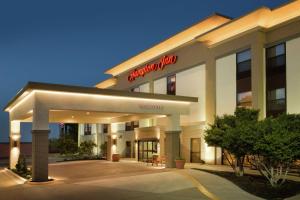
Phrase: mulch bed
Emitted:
{"points": [[259, 186]]}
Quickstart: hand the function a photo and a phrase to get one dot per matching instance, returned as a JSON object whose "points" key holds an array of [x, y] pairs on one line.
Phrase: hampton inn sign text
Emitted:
{"points": [[141, 72]]}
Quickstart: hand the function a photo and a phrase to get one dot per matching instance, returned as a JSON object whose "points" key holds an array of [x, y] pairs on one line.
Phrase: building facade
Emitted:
{"points": [[252, 61]]}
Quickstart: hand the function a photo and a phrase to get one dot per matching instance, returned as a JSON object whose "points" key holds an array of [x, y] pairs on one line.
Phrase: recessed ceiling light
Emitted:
{"points": [[73, 117]]}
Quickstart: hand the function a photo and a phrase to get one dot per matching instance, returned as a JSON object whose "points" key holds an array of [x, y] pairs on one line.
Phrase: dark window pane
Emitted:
{"points": [[87, 129], [243, 79], [244, 66], [171, 85], [276, 51], [105, 128], [244, 56], [130, 126], [276, 80], [276, 94]]}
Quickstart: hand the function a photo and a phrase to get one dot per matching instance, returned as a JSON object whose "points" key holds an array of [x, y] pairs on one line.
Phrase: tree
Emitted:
{"points": [[231, 132], [86, 148], [277, 147]]}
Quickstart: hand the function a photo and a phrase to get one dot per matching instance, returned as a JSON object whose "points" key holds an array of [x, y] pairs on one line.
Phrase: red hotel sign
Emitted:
{"points": [[164, 61]]}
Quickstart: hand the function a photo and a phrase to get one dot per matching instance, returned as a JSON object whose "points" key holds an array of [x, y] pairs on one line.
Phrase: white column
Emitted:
{"points": [[172, 133], [14, 138], [40, 132]]}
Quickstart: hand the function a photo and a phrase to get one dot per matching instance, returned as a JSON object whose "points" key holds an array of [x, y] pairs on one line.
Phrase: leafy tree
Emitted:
{"points": [[86, 148], [277, 147], [233, 133]]}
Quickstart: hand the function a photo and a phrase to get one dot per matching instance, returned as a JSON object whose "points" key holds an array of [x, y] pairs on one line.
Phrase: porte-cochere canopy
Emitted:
{"points": [[43, 103]]}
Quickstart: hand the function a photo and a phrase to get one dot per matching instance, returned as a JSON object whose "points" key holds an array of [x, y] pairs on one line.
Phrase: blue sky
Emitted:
{"points": [[73, 42]]}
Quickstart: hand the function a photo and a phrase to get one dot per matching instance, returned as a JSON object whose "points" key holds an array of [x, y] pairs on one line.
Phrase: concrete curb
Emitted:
{"points": [[21, 179]]}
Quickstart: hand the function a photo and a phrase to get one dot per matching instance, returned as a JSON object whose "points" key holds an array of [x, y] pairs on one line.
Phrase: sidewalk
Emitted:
{"points": [[220, 187], [226, 168]]}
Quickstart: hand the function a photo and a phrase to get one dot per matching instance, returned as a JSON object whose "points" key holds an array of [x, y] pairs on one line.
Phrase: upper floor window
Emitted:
{"points": [[87, 129], [129, 126], [171, 85], [243, 78], [276, 80]]}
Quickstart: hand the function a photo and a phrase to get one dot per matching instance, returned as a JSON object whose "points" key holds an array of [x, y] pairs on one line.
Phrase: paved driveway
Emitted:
{"points": [[125, 180]]}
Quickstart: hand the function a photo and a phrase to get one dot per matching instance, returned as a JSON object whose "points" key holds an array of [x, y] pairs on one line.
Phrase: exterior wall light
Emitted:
{"points": [[114, 141], [15, 143]]}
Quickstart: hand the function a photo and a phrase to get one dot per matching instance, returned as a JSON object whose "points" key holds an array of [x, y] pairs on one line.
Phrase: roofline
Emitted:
{"points": [[30, 86], [114, 70], [177, 33]]}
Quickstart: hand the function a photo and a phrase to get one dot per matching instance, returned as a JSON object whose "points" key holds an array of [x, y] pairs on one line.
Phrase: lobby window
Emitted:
{"points": [[105, 128], [171, 85], [276, 80], [243, 79], [87, 129], [130, 126]]}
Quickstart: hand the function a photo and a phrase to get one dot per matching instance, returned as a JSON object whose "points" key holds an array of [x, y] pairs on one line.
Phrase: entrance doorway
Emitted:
{"points": [[195, 150], [146, 149]]}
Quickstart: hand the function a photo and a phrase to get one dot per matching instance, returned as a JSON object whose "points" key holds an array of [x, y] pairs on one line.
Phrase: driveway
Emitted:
{"points": [[124, 180]]}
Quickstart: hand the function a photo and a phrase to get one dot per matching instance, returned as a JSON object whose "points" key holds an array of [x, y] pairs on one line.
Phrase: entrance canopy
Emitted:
{"points": [[75, 104], [42, 103]]}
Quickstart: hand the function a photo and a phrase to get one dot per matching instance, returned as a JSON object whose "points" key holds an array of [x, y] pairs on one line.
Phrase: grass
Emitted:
{"points": [[259, 186]]}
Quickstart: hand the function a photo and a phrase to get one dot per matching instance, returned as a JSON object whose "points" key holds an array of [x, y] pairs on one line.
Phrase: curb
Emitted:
{"points": [[23, 180]]}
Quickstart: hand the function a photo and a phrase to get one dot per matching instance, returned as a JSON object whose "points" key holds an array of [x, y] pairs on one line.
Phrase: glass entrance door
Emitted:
{"points": [[146, 149], [195, 150]]}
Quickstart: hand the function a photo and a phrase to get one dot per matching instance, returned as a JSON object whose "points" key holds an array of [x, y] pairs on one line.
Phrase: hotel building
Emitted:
{"points": [[161, 100]]}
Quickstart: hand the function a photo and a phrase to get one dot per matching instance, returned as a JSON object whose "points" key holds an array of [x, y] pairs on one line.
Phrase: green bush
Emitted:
{"points": [[21, 167], [86, 149], [234, 133], [67, 146], [272, 144]]}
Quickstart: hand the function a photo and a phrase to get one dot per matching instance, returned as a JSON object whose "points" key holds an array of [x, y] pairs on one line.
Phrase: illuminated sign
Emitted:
{"points": [[164, 61], [151, 107]]}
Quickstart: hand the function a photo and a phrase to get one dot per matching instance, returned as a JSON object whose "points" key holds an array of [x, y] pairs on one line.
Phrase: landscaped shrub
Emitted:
{"points": [[54, 145], [86, 149], [277, 147], [67, 146], [21, 167], [231, 132], [272, 145]]}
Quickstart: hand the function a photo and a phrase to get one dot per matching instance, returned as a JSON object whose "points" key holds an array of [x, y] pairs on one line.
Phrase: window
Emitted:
{"points": [[245, 99], [276, 80], [136, 89], [243, 79], [105, 128], [171, 85], [87, 129], [130, 126]]}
